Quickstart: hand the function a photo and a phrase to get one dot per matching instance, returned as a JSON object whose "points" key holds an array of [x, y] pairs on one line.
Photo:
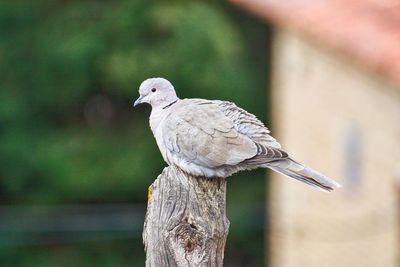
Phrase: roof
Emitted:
{"points": [[367, 31]]}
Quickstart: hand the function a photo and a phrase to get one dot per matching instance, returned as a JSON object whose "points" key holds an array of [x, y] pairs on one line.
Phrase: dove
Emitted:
{"points": [[215, 138]]}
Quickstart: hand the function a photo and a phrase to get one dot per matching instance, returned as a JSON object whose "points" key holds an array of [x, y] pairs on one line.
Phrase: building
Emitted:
{"points": [[336, 107]]}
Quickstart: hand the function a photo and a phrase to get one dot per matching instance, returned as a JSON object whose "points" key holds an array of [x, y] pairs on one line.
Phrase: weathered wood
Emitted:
{"points": [[185, 223]]}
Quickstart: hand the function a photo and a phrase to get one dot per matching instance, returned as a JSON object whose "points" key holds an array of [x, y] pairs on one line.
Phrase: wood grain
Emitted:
{"points": [[186, 223]]}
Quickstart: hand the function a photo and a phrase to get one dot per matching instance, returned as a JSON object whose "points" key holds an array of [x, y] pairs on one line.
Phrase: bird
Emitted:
{"points": [[215, 138]]}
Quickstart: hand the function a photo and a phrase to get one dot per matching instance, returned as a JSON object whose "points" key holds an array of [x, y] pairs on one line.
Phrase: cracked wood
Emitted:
{"points": [[186, 223]]}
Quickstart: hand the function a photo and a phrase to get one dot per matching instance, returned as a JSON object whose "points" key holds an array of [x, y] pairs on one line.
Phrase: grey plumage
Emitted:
{"points": [[216, 138]]}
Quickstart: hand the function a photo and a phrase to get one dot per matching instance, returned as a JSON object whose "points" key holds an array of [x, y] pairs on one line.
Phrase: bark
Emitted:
{"points": [[185, 223]]}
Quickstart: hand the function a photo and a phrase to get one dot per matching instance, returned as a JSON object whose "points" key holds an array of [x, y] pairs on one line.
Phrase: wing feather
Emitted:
{"points": [[248, 124], [216, 133], [199, 132]]}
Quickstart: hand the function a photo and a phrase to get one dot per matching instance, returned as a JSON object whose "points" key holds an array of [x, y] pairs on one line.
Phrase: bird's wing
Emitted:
{"points": [[268, 149], [248, 124], [199, 132]]}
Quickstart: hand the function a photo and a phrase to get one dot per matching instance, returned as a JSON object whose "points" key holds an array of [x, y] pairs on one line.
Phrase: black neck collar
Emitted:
{"points": [[170, 104]]}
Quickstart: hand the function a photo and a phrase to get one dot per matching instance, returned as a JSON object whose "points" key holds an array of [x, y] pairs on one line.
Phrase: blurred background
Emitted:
{"points": [[76, 158], [335, 103]]}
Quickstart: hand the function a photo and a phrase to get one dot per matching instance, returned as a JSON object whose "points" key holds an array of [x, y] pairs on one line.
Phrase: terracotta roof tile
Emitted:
{"points": [[368, 31]]}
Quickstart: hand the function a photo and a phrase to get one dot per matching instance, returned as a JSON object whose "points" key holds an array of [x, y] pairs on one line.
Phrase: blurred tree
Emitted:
{"points": [[69, 73]]}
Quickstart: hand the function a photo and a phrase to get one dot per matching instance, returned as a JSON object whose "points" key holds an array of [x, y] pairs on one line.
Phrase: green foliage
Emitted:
{"points": [[56, 57], [69, 73]]}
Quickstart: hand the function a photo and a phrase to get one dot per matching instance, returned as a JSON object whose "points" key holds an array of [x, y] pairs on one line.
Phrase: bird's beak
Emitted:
{"points": [[138, 101]]}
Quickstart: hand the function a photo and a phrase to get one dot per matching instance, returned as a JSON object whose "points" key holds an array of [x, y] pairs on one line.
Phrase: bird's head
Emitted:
{"points": [[158, 92]]}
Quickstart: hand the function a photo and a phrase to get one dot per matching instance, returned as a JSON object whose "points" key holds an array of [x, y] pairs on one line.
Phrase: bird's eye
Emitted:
{"points": [[153, 90]]}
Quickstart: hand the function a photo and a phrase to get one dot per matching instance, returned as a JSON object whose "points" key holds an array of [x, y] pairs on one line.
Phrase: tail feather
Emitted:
{"points": [[298, 171]]}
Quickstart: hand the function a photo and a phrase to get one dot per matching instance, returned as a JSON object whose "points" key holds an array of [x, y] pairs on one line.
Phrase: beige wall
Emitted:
{"points": [[321, 102]]}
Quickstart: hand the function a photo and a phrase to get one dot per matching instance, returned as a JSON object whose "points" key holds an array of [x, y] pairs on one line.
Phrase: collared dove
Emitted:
{"points": [[213, 138]]}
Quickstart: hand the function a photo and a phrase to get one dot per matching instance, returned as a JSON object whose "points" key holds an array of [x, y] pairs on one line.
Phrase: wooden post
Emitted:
{"points": [[185, 223]]}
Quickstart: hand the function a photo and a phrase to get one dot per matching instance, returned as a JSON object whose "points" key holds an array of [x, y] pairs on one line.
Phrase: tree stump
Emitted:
{"points": [[186, 223]]}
